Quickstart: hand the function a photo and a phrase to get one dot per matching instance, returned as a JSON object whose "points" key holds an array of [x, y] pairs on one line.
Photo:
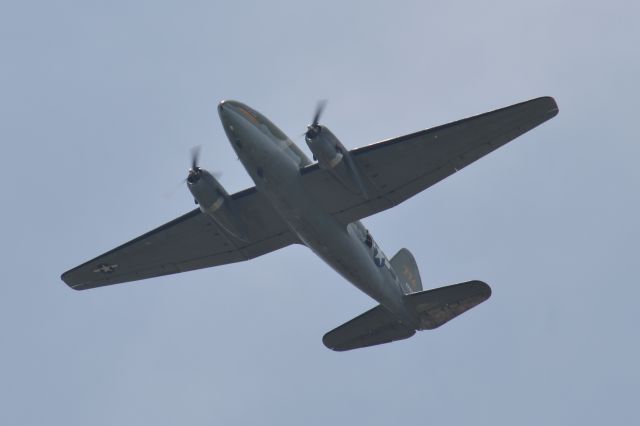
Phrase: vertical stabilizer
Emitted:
{"points": [[405, 266]]}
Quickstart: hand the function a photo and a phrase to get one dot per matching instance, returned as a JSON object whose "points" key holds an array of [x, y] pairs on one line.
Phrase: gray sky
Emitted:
{"points": [[100, 103]]}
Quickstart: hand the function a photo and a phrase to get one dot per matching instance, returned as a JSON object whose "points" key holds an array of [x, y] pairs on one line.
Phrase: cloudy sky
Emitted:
{"points": [[100, 103]]}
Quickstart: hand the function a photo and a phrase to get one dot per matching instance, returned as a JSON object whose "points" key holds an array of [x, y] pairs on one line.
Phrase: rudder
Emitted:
{"points": [[406, 267]]}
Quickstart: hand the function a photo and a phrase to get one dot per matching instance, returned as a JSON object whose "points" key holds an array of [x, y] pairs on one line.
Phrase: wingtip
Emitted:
{"points": [[486, 289], [327, 342], [65, 278], [552, 105]]}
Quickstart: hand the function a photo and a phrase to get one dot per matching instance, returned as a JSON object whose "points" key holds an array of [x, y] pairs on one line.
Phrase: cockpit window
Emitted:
{"points": [[262, 122], [249, 114], [268, 127], [277, 133]]}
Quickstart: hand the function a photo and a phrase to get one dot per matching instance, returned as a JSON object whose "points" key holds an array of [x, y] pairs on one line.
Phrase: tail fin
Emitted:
{"points": [[405, 266]]}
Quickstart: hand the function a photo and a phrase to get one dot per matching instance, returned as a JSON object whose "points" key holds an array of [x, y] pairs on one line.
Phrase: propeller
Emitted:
{"points": [[195, 172], [314, 128], [195, 156]]}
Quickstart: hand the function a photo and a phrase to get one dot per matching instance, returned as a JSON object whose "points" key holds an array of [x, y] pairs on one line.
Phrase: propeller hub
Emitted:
{"points": [[194, 175], [314, 128], [312, 131]]}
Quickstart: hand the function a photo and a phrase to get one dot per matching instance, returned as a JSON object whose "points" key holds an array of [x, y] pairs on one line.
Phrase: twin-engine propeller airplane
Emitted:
{"points": [[296, 201]]}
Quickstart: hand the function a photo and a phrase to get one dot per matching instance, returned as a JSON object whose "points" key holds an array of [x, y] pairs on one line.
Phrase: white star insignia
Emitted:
{"points": [[105, 269]]}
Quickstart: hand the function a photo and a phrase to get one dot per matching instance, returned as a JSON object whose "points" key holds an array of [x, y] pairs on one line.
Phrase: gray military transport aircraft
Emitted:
{"points": [[320, 204]]}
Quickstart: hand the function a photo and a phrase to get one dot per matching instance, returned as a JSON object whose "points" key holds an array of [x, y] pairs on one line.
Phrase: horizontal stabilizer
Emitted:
{"points": [[438, 306], [374, 327], [430, 309]]}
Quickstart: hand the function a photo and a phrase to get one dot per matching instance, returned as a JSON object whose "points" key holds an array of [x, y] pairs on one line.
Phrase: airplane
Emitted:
{"points": [[319, 204]]}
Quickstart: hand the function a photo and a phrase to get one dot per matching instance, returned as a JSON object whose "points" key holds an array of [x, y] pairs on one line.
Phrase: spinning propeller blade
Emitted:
{"points": [[314, 128]]}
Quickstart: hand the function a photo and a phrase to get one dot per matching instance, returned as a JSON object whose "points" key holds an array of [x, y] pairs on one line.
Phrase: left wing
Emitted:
{"points": [[399, 168], [192, 241]]}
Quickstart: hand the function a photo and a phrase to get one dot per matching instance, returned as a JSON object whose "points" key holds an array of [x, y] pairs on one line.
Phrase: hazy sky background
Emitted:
{"points": [[101, 101]]}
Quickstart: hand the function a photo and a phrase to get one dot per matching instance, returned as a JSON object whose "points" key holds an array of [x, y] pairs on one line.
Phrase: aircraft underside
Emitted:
{"points": [[320, 205]]}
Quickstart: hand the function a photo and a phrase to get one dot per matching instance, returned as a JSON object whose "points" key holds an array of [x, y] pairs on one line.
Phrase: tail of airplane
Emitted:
{"points": [[434, 308], [431, 309], [405, 265]]}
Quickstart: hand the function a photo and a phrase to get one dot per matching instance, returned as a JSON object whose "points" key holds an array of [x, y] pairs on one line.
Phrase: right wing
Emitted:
{"points": [[399, 168], [192, 241]]}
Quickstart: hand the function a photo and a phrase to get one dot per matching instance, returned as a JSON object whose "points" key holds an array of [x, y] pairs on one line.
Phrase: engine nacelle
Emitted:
{"points": [[215, 202], [335, 158]]}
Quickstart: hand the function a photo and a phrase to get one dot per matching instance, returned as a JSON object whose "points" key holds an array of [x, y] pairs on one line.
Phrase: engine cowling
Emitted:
{"points": [[335, 158], [214, 201]]}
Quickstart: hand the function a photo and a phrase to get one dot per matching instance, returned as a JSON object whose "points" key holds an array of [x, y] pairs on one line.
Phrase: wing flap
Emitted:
{"points": [[374, 327]]}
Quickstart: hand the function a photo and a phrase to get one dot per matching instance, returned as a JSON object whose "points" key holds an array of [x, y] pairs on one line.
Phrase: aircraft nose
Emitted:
{"points": [[234, 117], [236, 113], [231, 112], [228, 112], [224, 104], [229, 106]]}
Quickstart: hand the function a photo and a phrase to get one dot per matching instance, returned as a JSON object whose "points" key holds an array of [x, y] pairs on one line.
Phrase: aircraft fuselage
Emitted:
{"points": [[274, 164]]}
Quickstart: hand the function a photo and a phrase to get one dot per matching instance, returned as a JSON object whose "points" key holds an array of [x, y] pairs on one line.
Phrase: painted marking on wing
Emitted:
{"points": [[105, 269]]}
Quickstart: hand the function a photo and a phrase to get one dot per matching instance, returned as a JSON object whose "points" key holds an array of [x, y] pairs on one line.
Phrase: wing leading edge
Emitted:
{"points": [[192, 241], [399, 168]]}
